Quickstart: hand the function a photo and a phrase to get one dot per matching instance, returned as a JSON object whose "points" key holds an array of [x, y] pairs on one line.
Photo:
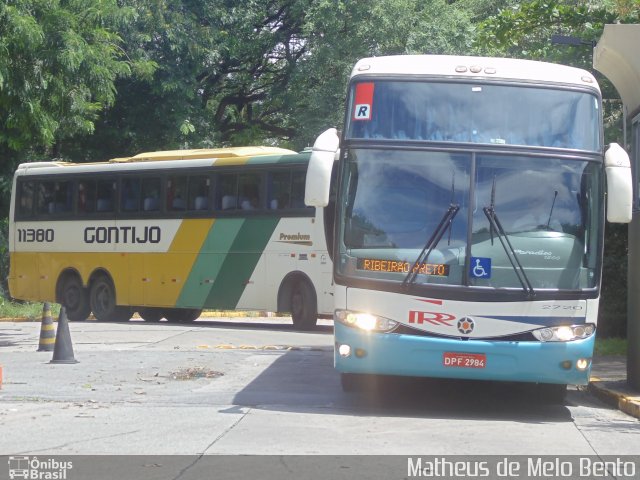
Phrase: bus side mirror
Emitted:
{"points": [[323, 154], [619, 185]]}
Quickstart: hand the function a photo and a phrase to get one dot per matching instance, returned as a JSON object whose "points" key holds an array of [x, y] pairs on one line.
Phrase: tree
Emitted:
{"points": [[264, 71], [58, 64], [525, 31]]}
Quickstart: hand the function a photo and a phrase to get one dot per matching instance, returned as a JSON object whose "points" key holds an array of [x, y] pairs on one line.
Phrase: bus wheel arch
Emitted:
{"points": [[102, 299], [298, 296], [72, 294]]}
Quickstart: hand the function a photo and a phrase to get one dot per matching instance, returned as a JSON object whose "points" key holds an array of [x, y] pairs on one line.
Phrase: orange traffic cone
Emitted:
{"points": [[47, 331], [63, 351]]}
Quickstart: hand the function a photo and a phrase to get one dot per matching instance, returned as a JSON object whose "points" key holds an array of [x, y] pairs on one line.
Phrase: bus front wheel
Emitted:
{"points": [[552, 393], [74, 298], [102, 298], [304, 307]]}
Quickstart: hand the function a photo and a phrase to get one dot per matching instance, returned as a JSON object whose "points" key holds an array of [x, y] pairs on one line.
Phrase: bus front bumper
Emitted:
{"points": [[409, 355]]}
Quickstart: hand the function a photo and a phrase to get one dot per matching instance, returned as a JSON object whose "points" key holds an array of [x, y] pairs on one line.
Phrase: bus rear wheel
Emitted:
{"points": [[304, 306], [182, 315], [73, 296], [102, 298]]}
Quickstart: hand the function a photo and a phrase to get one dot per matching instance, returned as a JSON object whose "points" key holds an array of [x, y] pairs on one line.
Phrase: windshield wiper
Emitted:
{"points": [[445, 223], [496, 226]]}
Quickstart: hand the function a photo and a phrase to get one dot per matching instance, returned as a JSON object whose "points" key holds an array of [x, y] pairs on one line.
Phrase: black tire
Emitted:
{"points": [[102, 298], [151, 314], [74, 297], [552, 393], [304, 306], [181, 315]]}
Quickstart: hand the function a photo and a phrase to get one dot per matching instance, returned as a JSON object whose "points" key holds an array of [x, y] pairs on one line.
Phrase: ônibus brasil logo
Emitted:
{"points": [[32, 468]]}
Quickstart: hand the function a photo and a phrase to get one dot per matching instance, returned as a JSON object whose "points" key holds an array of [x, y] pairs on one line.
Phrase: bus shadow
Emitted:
{"points": [[211, 323], [305, 381]]}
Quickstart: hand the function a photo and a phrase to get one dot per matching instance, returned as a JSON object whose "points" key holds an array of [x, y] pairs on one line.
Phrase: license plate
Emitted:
{"points": [[464, 360]]}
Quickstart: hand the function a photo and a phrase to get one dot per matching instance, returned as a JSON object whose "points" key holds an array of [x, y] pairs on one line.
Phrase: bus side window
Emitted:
{"points": [[63, 197], [279, 190], [130, 196], [228, 199], [86, 194], [199, 193], [151, 194], [176, 191], [25, 202], [104, 195], [249, 186], [45, 201], [297, 190]]}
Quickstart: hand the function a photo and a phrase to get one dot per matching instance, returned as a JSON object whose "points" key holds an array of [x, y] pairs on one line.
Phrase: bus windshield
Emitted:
{"points": [[546, 208], [495, 114]]}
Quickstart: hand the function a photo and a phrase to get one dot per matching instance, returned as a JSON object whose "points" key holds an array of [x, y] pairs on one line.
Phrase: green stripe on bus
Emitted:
{"points": [[240, 262], [227, 260], [209, 261]]}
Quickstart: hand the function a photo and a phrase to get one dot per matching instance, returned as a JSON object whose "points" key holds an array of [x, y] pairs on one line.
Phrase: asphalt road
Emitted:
{"points": [[257, 387]]}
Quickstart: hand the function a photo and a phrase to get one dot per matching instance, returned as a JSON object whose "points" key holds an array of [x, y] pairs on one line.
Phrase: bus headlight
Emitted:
{"points": [[564, 333], [365, 321]]}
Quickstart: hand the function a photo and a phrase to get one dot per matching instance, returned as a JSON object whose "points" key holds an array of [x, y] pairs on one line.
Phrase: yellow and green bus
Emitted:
{"points": [[168, 234]]}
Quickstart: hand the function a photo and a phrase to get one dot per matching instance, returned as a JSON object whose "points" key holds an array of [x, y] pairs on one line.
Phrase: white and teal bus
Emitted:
{"points": [[470, 213], [168, 234]]}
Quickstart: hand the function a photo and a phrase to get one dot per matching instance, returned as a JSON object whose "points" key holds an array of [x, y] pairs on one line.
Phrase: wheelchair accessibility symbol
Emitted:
{"points": [[480, 267]]}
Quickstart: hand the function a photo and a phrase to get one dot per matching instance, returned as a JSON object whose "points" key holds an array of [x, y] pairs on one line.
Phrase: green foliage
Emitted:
{"points": [[25, 310], [57, 69], [611, 346]]}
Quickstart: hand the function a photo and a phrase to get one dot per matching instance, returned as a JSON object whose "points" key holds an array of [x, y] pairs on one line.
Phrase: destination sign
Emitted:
{"points": [[394, 266]]}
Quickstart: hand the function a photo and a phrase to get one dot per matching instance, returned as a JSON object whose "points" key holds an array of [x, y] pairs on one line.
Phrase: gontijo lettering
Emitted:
{"points": [[395, 266], [124, 234]]}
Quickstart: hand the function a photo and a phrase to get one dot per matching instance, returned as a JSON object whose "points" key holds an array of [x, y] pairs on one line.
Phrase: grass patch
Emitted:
{"points": [[611, 346], [32, 311]]}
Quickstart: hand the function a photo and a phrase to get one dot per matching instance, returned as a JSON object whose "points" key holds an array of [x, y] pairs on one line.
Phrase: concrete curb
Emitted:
{"points": [[617, 395]]}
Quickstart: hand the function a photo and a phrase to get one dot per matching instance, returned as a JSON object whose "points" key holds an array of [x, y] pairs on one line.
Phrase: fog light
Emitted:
{"points": [[582, 364], [566, 364], [361, 353], [344, 350]]}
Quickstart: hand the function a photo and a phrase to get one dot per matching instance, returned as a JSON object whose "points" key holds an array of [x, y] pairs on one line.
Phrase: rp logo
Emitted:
{"points": [[434, 318]]}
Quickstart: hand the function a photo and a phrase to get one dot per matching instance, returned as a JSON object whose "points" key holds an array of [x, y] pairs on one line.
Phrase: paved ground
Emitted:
{"points": [[258, 387]]}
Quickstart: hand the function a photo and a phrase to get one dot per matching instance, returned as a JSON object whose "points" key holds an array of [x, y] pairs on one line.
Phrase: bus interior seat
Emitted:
{"points": [[178, 204], [103, 205], [228, 202], [201, 203], [130, 204], [150, 204]]}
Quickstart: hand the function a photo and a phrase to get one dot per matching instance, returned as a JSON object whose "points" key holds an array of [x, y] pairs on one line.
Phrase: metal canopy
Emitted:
{"points": [[617, 56]]}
